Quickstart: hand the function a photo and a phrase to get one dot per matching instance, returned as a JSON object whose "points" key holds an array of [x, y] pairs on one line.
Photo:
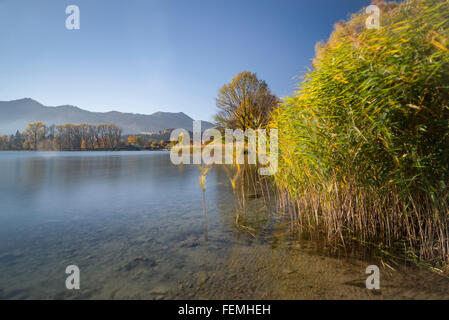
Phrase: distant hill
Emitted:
{"points": [[16, 114]]}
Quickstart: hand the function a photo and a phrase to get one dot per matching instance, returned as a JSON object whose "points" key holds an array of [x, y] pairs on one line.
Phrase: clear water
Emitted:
{"points": [[134, 225]]}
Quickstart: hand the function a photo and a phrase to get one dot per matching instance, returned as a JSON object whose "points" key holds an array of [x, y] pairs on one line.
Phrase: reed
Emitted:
{"points": [[364, 142], [202, 180]]}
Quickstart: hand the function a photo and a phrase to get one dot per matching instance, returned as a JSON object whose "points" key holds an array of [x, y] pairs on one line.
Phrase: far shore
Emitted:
{"points": [[120, 150]]}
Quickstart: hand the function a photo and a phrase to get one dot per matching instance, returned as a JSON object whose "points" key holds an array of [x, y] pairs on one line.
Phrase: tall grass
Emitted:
{"points": [[364, 142], [248, 186], [202, 180]]}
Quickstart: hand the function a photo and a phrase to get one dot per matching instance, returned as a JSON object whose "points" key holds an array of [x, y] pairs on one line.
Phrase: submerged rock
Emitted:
{"points": [[139, 262], [288, 271], [159, 290], [202, 277], [189, 243]]}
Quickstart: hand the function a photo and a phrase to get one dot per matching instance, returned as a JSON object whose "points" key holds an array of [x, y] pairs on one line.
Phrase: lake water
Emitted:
{"points": [[134, 225]]}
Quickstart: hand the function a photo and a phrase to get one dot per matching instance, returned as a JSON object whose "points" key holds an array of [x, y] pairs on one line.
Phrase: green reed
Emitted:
{"points": [[364, 142]]}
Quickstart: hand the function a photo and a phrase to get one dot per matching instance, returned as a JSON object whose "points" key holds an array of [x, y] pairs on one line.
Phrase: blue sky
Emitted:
{"points": [[146, 56]]}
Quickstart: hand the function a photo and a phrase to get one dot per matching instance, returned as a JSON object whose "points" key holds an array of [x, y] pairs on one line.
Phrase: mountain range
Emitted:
{"points": [[17, 114]]}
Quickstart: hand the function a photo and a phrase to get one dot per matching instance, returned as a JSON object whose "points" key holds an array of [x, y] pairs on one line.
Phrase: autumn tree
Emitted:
{"points": [[4, 142], [88, 137], [132, 140], [33, 134], [245, 102], [71, 137]]}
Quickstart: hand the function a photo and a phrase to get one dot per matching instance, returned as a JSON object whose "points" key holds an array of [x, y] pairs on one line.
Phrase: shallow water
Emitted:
{"points": [[133, 223]]}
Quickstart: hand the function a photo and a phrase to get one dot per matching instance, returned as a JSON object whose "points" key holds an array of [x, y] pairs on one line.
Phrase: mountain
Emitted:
{"points": [[16, 114]]}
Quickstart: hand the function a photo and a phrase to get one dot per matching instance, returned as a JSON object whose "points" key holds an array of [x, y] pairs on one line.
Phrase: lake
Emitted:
{"points": [[134, 225]]}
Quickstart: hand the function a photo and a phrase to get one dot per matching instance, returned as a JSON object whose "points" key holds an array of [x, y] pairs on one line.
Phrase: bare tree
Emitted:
{"points": [[245, 102]]}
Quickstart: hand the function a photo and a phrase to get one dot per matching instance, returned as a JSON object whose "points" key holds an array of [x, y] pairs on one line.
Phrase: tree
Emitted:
{"points": [[83, 145], [132, 140], [33, 134], [16, 141], [4, 142], [13, 142], [245, 102], [69, 136], [140, 141]]}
